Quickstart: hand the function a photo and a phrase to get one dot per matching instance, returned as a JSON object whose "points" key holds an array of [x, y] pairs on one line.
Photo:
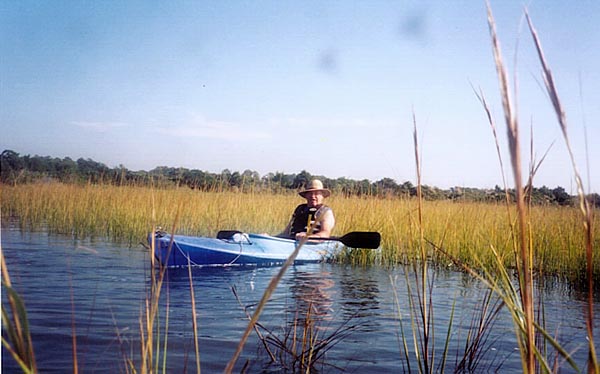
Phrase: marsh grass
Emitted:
{"points": [[18, 342], [153, 327], [124, 214], [301, 344], [477, 338], [417, 332]]}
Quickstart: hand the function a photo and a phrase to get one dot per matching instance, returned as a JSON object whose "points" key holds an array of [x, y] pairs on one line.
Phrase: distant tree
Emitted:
{"points": [[11, 166], [343, 186], [386, 187], [364, 187], [23, 169], [67, 170], [594, 199], [455, 193], [542, 195], [432, 193], [236, 179], [282, 181], [301, 179], [225, 177], [91, 170], [11, 160], [407, 189], [561, 196], [250, 178]]}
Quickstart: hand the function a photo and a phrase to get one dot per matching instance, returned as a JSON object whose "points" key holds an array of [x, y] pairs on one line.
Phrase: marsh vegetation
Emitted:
{"points": [[466, 229]]}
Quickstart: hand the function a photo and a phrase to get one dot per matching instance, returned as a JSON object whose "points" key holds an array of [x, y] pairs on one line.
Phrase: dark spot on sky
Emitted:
{"points": [[414, 26], [328, 61]]}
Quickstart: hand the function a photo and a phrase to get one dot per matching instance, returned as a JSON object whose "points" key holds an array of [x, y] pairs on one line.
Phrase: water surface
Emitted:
{"points": [[95, 290]]}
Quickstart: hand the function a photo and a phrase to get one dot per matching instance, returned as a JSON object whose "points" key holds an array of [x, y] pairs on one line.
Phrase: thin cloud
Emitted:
{"points": [[99, 126], [355, 123], [215, 130]]}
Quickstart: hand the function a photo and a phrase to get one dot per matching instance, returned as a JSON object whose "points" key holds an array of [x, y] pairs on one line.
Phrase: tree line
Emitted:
{"points": [[17, 169]]}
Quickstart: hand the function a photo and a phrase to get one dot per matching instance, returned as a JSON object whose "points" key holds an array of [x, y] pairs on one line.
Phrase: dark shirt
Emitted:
{"points": [[305, 217]]}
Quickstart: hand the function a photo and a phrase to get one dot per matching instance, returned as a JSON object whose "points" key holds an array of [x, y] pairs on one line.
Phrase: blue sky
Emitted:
{"points": [[324, 86]]}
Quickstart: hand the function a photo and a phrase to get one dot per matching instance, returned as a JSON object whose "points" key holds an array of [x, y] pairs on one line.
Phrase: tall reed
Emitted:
{"points": [[424, 287], [153, 351], [520, 301], [584, 205], [526, 335]]}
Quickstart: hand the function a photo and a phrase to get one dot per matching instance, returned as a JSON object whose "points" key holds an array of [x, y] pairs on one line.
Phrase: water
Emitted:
{"points": [[95, 291]]}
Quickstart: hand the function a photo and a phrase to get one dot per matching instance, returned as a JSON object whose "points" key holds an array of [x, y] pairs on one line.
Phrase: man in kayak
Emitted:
{"points": [[314, 216]]}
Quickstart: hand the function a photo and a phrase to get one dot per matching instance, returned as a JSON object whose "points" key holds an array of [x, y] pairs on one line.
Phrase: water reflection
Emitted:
{"points": [[312, 292]]}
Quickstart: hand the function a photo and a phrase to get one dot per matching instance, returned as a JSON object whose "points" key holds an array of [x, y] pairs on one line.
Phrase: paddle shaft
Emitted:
{"points": [[355, 239]]}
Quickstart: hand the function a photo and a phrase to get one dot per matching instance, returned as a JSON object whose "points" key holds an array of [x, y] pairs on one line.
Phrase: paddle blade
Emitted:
{"points": [[361, 239]]}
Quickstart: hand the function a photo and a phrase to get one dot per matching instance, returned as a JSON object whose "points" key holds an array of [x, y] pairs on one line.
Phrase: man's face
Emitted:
{"points": [[313, 198]]}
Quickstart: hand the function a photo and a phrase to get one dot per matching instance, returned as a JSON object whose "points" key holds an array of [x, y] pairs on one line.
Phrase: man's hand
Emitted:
{"points": [[301, 235]]}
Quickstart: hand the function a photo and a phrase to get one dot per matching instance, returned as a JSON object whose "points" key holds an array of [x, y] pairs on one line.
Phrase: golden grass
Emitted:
{"points": [[125, 214]]}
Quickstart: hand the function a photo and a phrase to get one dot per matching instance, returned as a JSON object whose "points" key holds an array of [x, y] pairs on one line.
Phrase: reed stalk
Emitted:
{"points": [[522, 308], [524, 270], [424, 290], [149, 323], [19, 343], [194, 319], [499, 281], [262, 303], [73, 328], [584, 205], [258, 333]]}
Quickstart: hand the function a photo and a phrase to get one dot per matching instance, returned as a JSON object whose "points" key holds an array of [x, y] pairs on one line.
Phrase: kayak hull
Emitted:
{"points": [[239, 249]]}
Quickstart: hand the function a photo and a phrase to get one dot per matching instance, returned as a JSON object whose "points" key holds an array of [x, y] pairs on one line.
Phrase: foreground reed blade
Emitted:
{"points": [[194, 318], [423, 292], [524, 269], [19, 343], [260, 306], [584, 204], [150, 324], [523, 312]]}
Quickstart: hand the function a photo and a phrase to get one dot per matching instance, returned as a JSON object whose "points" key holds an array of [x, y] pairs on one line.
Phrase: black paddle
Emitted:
{"points": [[358, 239], [355, 239]]}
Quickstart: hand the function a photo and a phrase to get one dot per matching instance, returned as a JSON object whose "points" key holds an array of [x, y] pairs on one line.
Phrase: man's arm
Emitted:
{"points": [[327, 224]]}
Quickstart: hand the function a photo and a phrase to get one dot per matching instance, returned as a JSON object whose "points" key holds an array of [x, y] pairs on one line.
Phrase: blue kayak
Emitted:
{"points": [[235, 249]]}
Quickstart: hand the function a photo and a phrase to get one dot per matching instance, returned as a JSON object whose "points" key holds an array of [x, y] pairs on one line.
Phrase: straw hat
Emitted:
{"points": [[315, 185]]}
